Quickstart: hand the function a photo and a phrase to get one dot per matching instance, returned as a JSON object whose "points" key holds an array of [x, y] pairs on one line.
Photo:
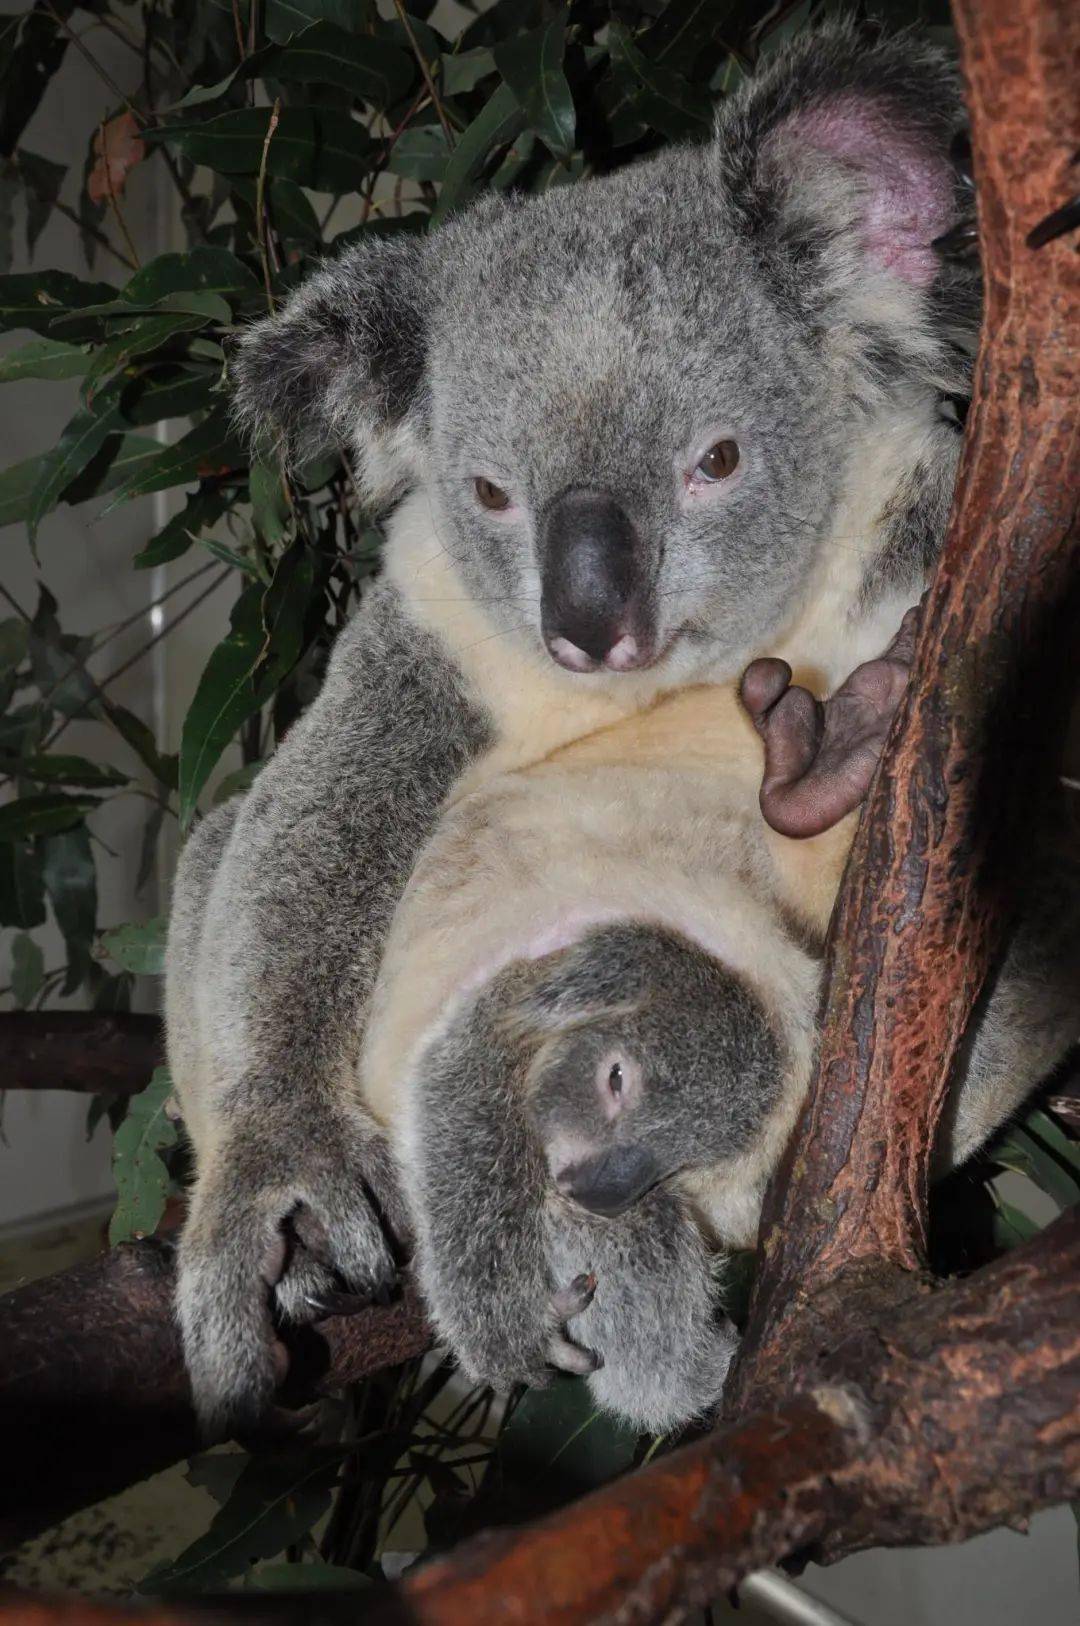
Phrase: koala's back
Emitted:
{"points": [[653, 819]]}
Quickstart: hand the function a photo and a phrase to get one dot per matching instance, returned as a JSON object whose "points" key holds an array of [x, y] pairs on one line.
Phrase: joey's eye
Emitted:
{"points": [[491, 495], [720, 461], [615, 1079]]}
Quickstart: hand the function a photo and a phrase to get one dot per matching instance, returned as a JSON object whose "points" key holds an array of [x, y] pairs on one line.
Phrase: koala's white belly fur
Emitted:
{"points": [[654, 819]]}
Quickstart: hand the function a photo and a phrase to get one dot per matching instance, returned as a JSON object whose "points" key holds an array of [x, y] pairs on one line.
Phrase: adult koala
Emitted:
{"points": [[639, 431]]}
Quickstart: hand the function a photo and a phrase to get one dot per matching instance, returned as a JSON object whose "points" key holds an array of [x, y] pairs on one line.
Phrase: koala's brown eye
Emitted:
{"points": [[720, 461], [615, 1079], [492, 496]]}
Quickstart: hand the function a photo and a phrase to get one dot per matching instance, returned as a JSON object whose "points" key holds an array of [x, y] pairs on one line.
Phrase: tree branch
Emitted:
{"points": [[930, 882], [93, 1393], [100, 1052]]}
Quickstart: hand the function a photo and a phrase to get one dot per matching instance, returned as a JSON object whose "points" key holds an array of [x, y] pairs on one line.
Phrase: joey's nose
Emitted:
{"points": [[593, 584], [612, 1181]]}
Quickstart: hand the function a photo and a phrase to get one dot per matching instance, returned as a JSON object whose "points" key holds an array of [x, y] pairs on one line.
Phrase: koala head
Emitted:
{"points": [[649, 1058], [633, 401]]}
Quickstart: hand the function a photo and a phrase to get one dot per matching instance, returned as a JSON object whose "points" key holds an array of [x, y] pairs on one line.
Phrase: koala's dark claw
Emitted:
{"points": [[338, 1304], [959, 240]]}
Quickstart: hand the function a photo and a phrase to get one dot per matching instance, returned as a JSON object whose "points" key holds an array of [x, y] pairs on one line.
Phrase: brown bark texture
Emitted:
{"points": [[871, 1406], [101, 1052]]}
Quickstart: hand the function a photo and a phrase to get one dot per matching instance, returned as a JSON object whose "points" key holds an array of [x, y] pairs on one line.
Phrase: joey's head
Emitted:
{"points": [[652, 1058], [632, 402]]}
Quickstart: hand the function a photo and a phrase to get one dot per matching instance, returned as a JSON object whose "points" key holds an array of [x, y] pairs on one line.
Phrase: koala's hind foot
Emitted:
{"points": [[272, 1239]]}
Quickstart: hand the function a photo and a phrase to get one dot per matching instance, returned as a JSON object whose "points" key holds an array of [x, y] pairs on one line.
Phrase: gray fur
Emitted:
{"points": [[495, 1242], [281, 905], [595, 336]]}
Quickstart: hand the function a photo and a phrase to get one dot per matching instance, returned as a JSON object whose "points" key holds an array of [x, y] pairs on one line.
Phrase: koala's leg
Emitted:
{"points": [[655, 1318], [1029, 1017], [476, 1183], [279, 923]]}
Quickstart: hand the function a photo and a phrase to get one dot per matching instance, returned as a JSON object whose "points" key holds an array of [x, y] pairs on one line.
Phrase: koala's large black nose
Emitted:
{"points": [[611, 1182], [593, 579]]}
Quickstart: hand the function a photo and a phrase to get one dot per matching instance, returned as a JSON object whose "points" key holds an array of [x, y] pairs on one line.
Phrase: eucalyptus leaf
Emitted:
{"points": [[57, 769], [532, 67], [202, 509], [71, 883], [142, 1179], [42, 180], [27, 969], [42, 813], [34, 299], [285, 18], [368, 66], [668, 101], [44, 358], [210, 448], [276, 1499], [326, 150], [84, 435], [139, 948], [22, 890], [498, 123]]}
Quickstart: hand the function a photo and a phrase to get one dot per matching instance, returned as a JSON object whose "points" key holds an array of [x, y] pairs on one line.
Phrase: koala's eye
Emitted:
{"points": [[491, 495], [615, 1079], [720, 461]]}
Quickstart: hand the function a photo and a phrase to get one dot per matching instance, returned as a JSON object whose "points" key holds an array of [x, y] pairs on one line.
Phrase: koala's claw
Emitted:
{"points": [[571, 1301]]}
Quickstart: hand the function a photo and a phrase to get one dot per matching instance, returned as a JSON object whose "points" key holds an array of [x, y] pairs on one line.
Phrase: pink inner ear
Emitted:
{"points": [[910, 199]]}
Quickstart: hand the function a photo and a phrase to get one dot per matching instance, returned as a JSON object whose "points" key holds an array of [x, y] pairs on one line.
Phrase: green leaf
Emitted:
{"points": [[270, 505], [14, 643], [55, 769], [148, 334], [83, 436], [284, 18], [142, 1179], [328, 151], [499, 122], [264, 643], [202, 509], [210, 448], [139, 948], [290, 211], [58, 661], [555, 1444], [166, 390], [216, 1472], [33, 299], [367, 66], [22, 891], [134, 731], [27, 969], [205, 270], [277, 1499], [42, 180], [531, 65], [663, 97], [1025, 1153], [462, 71], [42, 814], [420, 153], [44, 358], [121, 458], [31, 50], [71, 882]]}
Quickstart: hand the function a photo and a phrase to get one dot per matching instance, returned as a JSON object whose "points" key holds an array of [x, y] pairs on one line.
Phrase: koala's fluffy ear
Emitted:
{"points": [[837, 155], [341, 364]]}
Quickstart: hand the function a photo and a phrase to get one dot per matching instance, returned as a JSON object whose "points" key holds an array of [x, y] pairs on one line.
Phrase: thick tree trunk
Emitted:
{"points": [[101, 1052]]}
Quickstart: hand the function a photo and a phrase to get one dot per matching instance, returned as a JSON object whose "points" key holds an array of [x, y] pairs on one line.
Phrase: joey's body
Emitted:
{"points": [[639, 431]]}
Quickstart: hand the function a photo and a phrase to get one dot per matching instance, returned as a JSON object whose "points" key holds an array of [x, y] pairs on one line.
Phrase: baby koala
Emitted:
{"points": [[559, 1125]]}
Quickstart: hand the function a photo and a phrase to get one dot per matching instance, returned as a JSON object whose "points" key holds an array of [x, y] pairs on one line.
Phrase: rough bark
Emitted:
{"points": [[101, 1052], [930, 882], [93, 1394]]}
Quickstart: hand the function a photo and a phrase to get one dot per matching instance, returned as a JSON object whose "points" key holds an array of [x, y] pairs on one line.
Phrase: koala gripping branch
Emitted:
{"points": [[869, 1406]]}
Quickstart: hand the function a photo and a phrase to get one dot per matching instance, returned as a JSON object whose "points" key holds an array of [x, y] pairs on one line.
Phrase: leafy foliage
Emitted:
{"points": [[384, 125]]}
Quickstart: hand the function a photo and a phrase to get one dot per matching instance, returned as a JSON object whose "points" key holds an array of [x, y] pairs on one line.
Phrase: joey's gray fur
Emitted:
{"points": [[774, 287]]}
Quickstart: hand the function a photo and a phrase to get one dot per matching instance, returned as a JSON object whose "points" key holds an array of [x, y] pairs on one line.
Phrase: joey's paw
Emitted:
{"points": [[567, 1303], [820, 756]]}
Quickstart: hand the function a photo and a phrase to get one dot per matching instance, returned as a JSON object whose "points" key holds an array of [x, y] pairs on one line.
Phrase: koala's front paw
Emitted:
{"points": [[273, 1238], [503, 1339]]}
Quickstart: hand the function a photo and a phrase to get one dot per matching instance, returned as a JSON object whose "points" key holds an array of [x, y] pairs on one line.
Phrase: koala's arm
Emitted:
{"points": [[278, 922], [501, 1259]]}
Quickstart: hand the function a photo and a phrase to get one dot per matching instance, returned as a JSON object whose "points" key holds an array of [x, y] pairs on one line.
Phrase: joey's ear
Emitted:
{"points": [[843, 142], [342, 363]]}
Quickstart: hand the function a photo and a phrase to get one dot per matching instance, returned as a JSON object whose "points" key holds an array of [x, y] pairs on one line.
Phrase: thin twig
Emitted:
{"points": [[90, 229], [260, 203], [425, 70]]}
